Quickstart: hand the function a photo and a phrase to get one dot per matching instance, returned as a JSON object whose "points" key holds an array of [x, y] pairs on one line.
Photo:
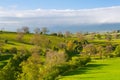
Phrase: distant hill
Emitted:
{"points": [[74, 28], [87, 28]]}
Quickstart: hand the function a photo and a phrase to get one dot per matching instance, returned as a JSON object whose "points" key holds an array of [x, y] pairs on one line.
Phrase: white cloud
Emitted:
{"points": [[51, 17]]}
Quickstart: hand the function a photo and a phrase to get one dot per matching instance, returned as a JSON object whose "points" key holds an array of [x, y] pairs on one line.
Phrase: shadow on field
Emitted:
{"points": [[85, 70], [11, 43], [3, 64], [5, 57]]}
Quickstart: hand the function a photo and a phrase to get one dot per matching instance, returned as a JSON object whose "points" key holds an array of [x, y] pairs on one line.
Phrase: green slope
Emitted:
{"points": [[108, 69]]}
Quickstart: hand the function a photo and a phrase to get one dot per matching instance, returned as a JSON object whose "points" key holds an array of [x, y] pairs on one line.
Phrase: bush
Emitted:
{"points": [[53, 34], [79, 62], [117, 51], [85, 60], [12, 68]]}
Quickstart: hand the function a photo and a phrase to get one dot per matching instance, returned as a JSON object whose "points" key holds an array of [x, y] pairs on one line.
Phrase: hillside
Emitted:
{"points": [[59, 56]]}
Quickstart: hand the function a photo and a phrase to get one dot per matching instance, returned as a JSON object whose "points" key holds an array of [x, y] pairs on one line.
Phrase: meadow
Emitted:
{"points": [[106, 69], [41, 56]]}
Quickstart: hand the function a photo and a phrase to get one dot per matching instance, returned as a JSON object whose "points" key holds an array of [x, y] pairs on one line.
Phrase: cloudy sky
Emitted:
{"points": [[50, 13]]}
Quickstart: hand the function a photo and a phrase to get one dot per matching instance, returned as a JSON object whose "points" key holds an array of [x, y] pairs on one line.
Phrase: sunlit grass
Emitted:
{"points": [[108, 69]]}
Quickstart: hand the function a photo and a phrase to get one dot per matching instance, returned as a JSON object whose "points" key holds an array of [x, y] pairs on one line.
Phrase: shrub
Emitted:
{"points": [[53, 34], [85, 60], [79, 62], [111, 55], [117, 51], [12, 69]]}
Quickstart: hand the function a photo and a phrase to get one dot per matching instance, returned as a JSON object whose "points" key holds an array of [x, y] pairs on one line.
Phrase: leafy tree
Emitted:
{"points": [[12, 69], [31, 68], [73, 48]]}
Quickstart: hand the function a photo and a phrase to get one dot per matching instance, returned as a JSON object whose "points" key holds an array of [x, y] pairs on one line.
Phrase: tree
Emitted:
{"points": [[73, 48], [12, 69], [37, 30], [44, 30], [25, 29], [31, 68], [109, 49], [20, 35], [40, 40], [80, 37], [67, 34], [90, 49], [100, 51]]}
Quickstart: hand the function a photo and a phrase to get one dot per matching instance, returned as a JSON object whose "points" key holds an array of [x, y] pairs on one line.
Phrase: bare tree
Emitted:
{"points": [[20, 35], [90, 49], [80, 36], [40, 40], [100, 51], [67, 34], [44, 30], [37, 30], [25, 29]]}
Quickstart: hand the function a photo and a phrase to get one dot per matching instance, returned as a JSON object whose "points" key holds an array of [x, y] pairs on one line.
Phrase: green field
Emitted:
{"points": [[58, 57], [107, 69]]}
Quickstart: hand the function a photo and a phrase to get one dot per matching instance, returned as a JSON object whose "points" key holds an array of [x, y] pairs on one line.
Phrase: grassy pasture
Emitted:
{"points": [[12, 42], [107, 69]]}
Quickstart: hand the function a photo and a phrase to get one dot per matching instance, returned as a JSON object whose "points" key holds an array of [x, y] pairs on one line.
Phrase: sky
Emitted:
{"points": [[58, 4], [51, 13]]}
